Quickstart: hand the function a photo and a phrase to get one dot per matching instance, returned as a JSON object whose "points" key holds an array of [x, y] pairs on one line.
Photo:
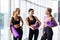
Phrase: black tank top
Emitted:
{"points": [[16, 21], [31, 21]]}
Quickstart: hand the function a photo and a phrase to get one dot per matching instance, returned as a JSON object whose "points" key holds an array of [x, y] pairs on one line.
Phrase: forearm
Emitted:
{"points": [[22, 23]]}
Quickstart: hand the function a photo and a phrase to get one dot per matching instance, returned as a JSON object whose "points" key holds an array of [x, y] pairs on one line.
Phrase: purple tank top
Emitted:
{"points": [[50, 23], [46, 21]]}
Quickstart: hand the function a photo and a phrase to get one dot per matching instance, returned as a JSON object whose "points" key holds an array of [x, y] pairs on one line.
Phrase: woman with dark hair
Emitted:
{"points": [[15, 21], [30, 21], [48, 19]]}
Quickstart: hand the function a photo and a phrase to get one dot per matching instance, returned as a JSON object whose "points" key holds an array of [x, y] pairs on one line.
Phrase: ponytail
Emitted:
{"points": [[51, 15]]}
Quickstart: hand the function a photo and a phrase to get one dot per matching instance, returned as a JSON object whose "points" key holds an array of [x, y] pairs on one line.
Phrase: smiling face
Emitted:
{"points": [[31, 12], [48, 11], [17, 12]]}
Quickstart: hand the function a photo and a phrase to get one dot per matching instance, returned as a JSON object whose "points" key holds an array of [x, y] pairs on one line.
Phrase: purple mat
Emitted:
{"points": [[52, 23], [15, 33], [36, 25]]}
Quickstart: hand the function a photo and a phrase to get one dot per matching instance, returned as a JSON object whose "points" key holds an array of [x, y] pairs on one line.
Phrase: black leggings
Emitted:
{"points": [[48, 34], [33, 32], [20, 32]]}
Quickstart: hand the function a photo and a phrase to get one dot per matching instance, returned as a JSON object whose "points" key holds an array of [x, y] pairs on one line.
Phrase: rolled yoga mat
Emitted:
{"points": [[36, 25], [49, 24], [52, 23], [15, 33]]}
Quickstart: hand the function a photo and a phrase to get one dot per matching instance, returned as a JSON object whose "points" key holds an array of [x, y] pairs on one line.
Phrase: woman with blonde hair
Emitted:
{"points": [[15, 21]]}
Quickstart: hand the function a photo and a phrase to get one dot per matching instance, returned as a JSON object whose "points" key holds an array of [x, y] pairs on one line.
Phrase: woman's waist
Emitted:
{"points": [[33, 30], [47, 27], [17, 26]]}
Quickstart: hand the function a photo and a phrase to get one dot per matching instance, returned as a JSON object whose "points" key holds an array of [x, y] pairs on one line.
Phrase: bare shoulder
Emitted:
{"points": [[10, 18], [35, 16], [26, 18], [20, 17]]}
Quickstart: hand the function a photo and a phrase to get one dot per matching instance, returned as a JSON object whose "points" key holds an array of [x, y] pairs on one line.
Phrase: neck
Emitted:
{"points": [[30, 16], [15, 16]]}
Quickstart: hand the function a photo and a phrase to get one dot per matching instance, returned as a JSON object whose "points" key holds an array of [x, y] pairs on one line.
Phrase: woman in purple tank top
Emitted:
{"points": [[47, 32]]}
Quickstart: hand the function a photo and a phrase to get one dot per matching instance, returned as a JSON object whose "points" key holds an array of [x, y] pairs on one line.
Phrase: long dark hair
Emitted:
{"points": [[30, 9]]}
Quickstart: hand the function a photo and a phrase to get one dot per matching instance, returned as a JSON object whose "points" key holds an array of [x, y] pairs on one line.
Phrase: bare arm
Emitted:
{"points": [[38, 21], [10, 24], [11, 21], [21, 21], [30, 26]]}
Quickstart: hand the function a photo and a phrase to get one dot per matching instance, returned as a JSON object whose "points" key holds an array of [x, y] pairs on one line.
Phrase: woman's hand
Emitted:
{"points": [[10, 30], [31, 26], [38, 21]]}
